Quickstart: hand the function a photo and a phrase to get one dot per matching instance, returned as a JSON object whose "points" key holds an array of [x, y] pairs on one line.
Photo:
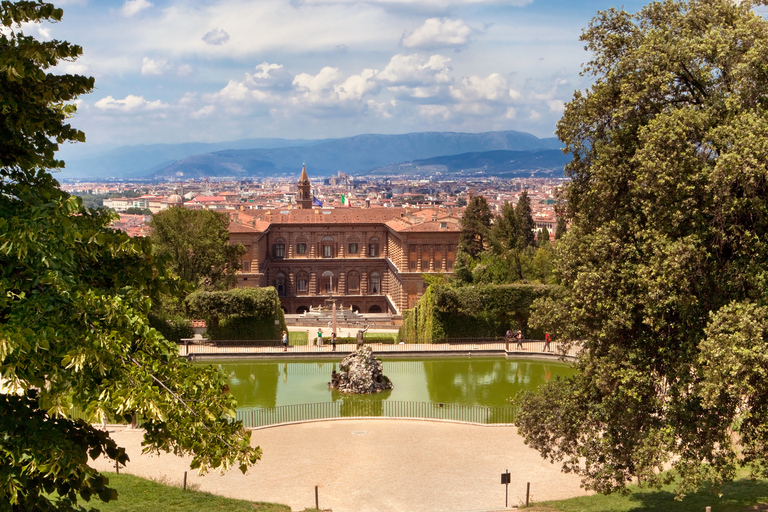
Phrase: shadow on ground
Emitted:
{"points": [[738, 496]]}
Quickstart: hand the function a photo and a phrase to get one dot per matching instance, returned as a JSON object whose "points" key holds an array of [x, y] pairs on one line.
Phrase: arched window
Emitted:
{"points": [[280, 284], [353, 246], [373, 247], [301, 246], [353, 283], [375, 284], [327, 282], [278, 248], [327, 247], [302, 283], [374, 309]]}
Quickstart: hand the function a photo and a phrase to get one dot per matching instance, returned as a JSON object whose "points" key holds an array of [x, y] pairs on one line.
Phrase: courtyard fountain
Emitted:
{"points": [[360, 373]]}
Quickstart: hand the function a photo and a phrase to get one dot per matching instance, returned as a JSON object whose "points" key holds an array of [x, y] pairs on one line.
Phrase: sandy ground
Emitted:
{"points": [[373, 465]]}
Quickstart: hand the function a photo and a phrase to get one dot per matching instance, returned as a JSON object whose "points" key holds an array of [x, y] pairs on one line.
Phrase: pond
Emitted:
{"points": [[472, 381]]}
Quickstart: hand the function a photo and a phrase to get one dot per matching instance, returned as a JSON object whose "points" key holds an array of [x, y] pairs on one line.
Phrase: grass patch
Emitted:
{"points": [[141, 495], [738, 496], [296, 338]]}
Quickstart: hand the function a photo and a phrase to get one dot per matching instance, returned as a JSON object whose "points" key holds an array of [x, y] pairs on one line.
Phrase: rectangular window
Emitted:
{"points": [[301, 248], [373, 250], [302, 285], [327, 251], [352, 248], [449, 265], [246, 266], [279, 250], [413, 265]]}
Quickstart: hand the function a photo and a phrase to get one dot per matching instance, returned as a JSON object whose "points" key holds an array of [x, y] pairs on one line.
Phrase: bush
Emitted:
{"points": [[172, 327], [240, 314], [471, 311]]}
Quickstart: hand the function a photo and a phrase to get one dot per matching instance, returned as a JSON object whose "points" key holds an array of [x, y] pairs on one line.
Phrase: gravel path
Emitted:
{"points": [[373, 465]]}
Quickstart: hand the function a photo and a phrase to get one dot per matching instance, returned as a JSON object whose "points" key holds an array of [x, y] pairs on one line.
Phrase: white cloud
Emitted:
{"points": [[269, 76], [216, 37], [439, 33], [133, 7], [153, 67], [556, 105], [416, 70], [356, 86], [185, 70], [76, 68], [206, 111], [440, 111], [473, 88], [320, 87], [129, 104]]}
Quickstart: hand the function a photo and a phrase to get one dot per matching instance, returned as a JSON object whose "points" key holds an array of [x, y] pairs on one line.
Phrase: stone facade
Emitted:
{"points": [[369, 259]]}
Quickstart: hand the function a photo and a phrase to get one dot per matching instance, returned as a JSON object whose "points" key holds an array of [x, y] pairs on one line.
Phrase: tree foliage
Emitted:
{"points": [[525, 220], [664, 266], [74, 297], [474, 227], [240, 313], [197, 242]]}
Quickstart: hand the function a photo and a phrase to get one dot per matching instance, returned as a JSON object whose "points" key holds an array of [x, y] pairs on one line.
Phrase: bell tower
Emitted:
{"points": [[304, 195]]}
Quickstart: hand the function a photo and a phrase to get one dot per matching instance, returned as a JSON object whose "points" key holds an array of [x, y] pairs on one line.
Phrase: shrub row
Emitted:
{"points": [[472, 311]]}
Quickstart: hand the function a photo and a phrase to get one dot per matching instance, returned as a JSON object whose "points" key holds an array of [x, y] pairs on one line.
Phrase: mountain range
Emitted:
{"points": [[499, 153]]}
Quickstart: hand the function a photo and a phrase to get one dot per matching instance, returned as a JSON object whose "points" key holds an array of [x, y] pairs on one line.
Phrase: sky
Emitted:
{"points": [[174, 71]]}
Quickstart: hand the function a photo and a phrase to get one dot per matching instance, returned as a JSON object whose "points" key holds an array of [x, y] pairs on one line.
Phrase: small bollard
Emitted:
{"points": [[185, 481], [527, 493], [117, 467], [709, 509], [317, 501]]}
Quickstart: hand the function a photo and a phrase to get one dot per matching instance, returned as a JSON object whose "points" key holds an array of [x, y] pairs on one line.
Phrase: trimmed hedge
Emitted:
{"points": [[172, 327], [472, 311], [240, 314]]}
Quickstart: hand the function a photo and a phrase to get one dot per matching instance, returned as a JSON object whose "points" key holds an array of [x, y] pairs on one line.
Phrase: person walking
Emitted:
{"points": [[320, 337], [333, 341], [519, 337], [285, 341], [547, 339]]}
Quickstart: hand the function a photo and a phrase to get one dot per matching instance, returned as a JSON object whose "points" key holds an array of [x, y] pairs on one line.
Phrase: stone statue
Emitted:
{"points": [[360, 373]]}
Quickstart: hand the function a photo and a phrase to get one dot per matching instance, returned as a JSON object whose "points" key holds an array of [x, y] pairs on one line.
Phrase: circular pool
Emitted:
{"points": [[490, 382]]}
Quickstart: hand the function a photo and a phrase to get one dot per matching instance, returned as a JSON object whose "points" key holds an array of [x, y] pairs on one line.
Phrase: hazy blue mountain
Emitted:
{"points": [[353, 155], [501, 163], [275, 157], [144, 160]]}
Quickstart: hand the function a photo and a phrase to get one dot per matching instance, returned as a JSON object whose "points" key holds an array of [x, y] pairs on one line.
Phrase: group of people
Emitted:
{"points": [[518, 336], [319, 340]]}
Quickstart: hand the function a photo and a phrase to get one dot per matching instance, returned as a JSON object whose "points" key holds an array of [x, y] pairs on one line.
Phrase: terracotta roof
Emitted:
{"points": [[237, 227], [349, 215], [208, 199]]}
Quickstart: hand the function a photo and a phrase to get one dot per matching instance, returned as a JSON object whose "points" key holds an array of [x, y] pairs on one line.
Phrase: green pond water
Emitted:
{"points": [[468, 381]]}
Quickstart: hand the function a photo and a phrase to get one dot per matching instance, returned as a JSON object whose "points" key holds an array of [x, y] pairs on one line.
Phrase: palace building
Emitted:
{"points": [[370, 259]]}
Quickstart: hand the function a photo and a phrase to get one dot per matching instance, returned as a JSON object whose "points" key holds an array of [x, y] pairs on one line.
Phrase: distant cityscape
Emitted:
{"points": [[135, 201]]}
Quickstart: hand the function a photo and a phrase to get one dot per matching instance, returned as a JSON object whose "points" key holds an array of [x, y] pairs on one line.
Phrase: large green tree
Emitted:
{"points": [[475, 225], [197, 242], [665, 264], [74, 297], [525, 219]]}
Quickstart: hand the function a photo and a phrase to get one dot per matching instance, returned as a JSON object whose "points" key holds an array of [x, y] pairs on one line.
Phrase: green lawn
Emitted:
{"points": [[296, 338], [140, 495], [738, 496]]}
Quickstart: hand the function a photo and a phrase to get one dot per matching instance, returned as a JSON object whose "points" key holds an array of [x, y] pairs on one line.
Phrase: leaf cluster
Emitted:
{"points": [[74, 300], [664, 264], [197, 243]]}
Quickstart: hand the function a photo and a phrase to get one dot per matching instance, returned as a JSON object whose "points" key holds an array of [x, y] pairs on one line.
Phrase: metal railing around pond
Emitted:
{"points": [[384, 409], [499, 345]]}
